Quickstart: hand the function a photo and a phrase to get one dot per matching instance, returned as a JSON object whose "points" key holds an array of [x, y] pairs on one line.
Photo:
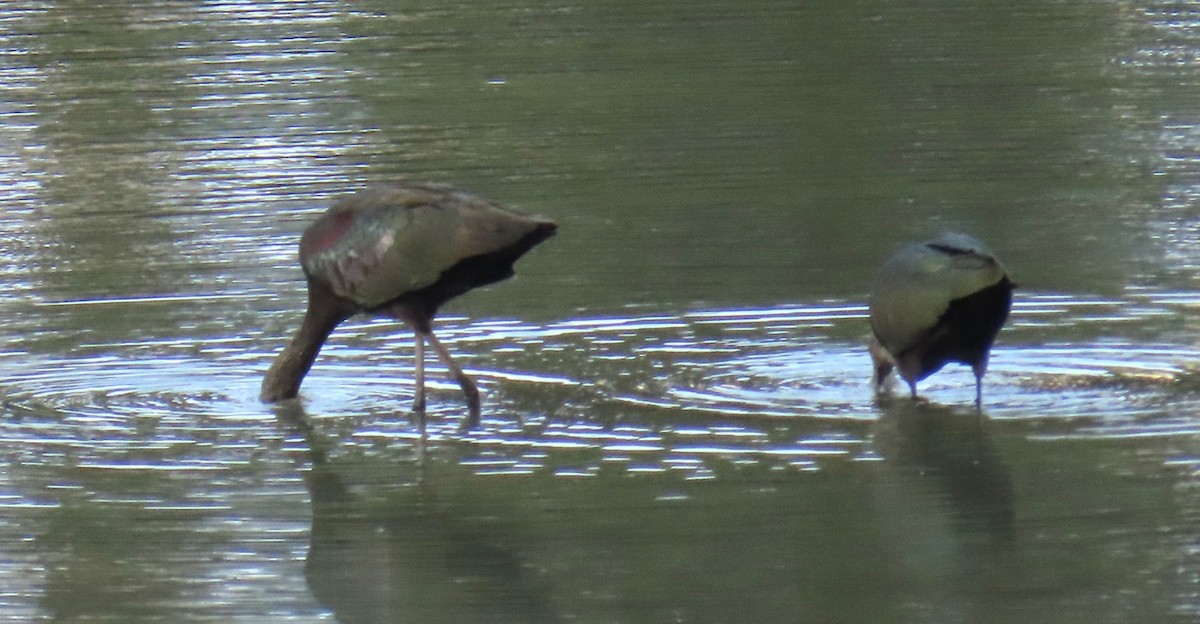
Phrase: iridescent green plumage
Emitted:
{"points": [[383, 242], [402, 251], [936, 302]]}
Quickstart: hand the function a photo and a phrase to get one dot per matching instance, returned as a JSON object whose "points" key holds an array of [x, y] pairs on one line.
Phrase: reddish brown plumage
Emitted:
{"points": [[400, 251], [325, 238]]}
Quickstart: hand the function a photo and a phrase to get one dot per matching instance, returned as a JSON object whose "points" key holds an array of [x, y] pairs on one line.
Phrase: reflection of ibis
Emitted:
{"points": [[401, 251], [936, 302], [417, 554]]}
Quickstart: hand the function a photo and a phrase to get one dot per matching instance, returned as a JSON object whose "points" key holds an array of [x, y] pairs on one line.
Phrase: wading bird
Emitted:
{"points": [[935, 302], [401, 251]]}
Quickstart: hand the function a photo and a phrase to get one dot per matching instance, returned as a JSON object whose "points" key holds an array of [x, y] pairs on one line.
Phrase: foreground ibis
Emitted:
{"points": [[401, 251], [936, 302]]}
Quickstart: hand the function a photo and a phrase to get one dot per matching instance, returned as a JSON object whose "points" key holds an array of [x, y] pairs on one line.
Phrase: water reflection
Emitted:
{"points": [[728, 443], [402, 553], [678, 423], [451, 536], [947, 507], [950, 450], [922, 508], [405, 550]]}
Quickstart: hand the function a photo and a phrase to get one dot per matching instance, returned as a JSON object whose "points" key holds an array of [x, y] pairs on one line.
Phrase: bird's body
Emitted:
{"points": [[400, 251], [937, 302]]}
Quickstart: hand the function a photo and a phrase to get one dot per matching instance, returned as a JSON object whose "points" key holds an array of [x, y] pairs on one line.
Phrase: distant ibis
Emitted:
{"points": [[401, 251], [936, 302]]}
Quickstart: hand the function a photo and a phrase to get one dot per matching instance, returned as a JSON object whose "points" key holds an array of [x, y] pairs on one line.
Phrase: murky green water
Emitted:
{"points": [[678, 422]]}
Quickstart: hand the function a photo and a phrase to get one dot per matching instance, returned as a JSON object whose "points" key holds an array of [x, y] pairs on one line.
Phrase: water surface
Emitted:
{"points": [[678, 422]]}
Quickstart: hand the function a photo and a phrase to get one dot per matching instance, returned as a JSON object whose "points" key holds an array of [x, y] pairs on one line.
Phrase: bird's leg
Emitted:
{"points": [[909, 368], [418, 407], [882, 361], [978, 391], [464, 382], [979, 368], [881, 372]]}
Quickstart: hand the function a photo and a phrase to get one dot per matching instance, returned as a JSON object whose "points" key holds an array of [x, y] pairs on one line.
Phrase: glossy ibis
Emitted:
{"points": [[936, 302], [401, 251]]}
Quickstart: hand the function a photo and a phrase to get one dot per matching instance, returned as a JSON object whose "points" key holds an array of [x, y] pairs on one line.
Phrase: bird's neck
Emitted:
{"points": [[283, 378]]}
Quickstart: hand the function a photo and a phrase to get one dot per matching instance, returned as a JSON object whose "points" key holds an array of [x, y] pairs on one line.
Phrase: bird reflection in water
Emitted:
{"points": [[403, 552], [951, 451]]}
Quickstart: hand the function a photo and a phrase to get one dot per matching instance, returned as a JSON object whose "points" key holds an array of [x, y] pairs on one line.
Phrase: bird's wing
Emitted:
{"points": [[382, 243], [917, 285]]}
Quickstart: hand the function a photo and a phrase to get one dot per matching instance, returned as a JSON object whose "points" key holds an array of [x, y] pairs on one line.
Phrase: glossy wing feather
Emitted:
{"points": [[384, 242], [918, 283]]}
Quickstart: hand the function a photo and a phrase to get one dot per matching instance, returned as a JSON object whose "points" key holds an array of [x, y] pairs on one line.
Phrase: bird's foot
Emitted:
{"points": [[912, 391], [472, 419], [471, 393], [418, 414]]}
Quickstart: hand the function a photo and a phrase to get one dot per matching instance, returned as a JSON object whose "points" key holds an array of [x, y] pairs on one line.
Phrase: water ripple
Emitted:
{"points": [[784, 387]]}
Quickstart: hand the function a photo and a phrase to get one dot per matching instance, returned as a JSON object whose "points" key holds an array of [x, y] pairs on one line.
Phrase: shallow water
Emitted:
{"points": [[678, 421]]}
